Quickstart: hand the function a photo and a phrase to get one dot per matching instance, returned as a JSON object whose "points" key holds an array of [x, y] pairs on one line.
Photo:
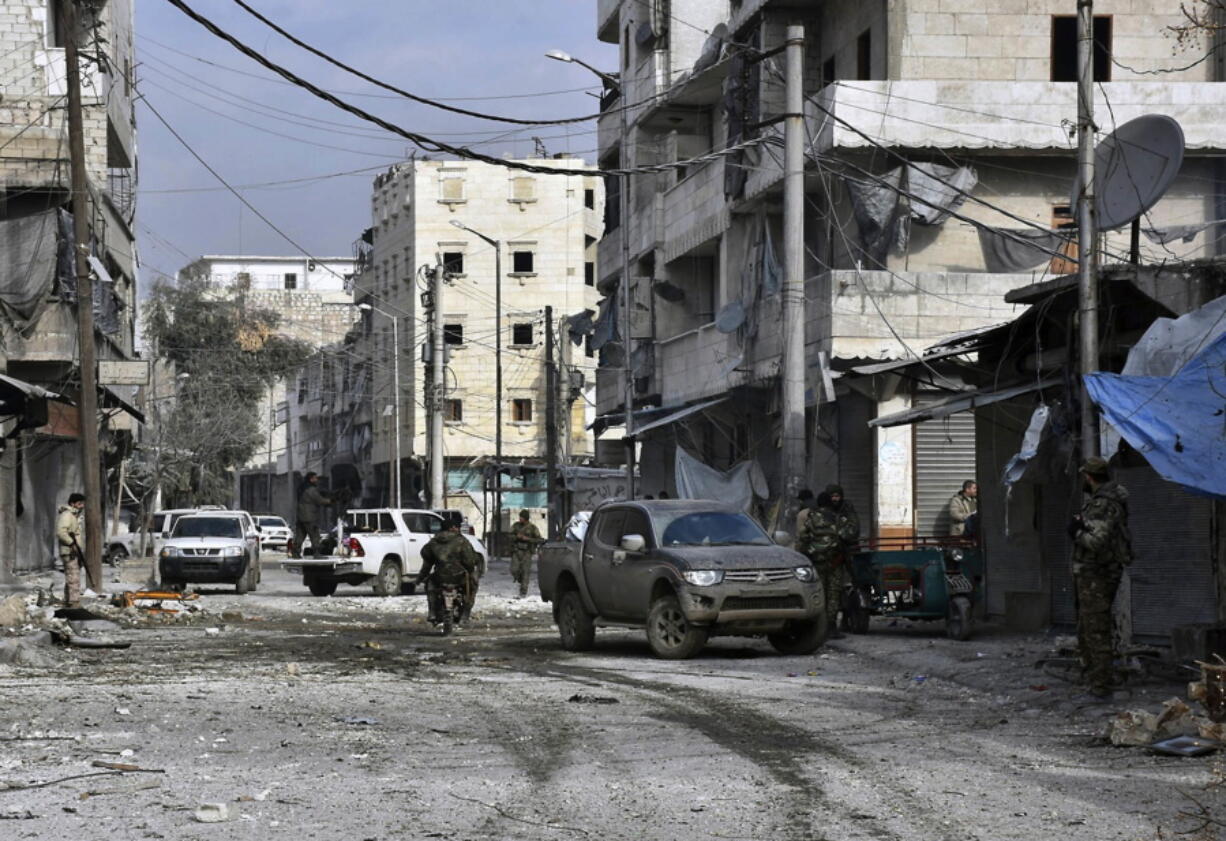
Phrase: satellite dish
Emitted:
{"points": [[731, 317], [1133, 168]]}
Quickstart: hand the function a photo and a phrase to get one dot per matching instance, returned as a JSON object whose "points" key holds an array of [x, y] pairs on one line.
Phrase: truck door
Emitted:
{"points": [[635, 571], [597, 559], [420, 527]]}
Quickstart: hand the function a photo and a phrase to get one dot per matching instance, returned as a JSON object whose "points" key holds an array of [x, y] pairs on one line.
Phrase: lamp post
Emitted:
{"points": [[497, 246], [624, 214], [396, 392]]}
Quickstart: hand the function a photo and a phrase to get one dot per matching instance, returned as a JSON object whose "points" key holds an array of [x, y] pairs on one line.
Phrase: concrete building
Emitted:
{"points": [[41, 466], [548, 226], [900, 99], [314, 298]]}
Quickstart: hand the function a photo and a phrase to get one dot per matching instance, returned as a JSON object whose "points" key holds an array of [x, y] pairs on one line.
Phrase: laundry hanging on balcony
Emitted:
{"points": [[884, 207]]}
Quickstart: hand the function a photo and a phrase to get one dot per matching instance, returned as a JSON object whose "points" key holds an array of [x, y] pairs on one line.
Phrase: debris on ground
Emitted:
{"points": [[580, 698], [14, 612], [1137, 728], [34, 650], [360, 720], [213, 813]]}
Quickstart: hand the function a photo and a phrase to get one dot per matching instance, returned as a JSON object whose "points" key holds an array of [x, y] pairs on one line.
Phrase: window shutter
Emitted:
{"points": [[452, 189], [523, 189]]}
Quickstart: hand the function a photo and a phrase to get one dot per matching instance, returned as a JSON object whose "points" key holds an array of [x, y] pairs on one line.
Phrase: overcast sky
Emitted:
{"points": [[460, 48]]}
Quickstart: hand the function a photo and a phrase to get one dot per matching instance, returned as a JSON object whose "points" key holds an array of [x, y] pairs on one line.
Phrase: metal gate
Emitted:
{"points": [[944, 452]]}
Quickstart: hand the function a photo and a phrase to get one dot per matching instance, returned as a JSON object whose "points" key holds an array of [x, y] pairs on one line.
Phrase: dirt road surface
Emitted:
{"points": [[350, 718]]}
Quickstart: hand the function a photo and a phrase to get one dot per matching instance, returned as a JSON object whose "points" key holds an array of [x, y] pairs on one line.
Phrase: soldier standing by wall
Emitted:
{"points": [[68, 530], [524, 540], [1102, 547], [819, 540]]}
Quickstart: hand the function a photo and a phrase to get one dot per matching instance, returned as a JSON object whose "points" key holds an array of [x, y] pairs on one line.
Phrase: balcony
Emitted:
{"points": [[610, 393], [607, 20], [698, 363], [694, 210], [1007, 115]]}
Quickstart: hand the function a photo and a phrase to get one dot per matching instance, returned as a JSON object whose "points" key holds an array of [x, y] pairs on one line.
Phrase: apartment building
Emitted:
{"points": [[901, 100], [547, 227], [41, 466]]}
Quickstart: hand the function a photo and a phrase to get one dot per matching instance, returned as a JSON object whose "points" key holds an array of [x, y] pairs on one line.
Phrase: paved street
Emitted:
{"points": [[348, 717]]}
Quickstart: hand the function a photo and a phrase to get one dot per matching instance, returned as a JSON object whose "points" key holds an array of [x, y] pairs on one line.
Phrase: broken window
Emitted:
{"points": [[453, 411], [864, 55], [521, 334], [589, 273], [522, 262], [1064, 48], [828, 75], [453, 262], [521, 410], [453, 334], [589, 199]]}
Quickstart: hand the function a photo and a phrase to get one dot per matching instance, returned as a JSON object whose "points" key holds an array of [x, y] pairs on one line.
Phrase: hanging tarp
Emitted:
{"points": [[884, 207], [1018, 249], [936, 191], [28, 266], [874, 205], [737, 486], [605, 328], [1175, 422], [1016, 469], [579, 325]]}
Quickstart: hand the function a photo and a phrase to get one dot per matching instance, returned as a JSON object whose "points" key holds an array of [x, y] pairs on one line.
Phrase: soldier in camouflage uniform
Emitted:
{"points": [[847, 523], [449, 560], [524, 540], [1102, 547], [819, 540]]}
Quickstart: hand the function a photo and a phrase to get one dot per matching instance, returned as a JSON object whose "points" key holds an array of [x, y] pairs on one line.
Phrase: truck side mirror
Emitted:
{"points": [[783, 538], [633, 542]]}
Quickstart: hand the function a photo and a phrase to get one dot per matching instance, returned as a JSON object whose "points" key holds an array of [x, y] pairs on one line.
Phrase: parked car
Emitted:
{"points": [[162, 523], [456, 515], [275, 533], [684, 570], [379, 546], [212, 547]]}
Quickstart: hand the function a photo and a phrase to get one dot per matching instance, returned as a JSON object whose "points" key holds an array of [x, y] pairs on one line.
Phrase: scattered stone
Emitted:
{"points": [[580, 698], [14, 612], [1136, 728], [212, 632], [213, 813], [33, 650], [359, 720]]}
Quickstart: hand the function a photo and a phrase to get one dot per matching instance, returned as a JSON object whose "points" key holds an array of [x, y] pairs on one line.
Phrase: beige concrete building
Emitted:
{"points": [[548, 226], [916, 95], [37, 318]]}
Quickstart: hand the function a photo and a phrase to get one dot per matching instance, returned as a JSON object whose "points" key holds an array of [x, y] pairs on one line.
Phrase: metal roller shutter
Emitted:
{"points": [[944, 458]]}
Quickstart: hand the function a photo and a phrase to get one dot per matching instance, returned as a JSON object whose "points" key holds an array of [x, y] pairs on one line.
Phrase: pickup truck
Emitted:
{"points": [[379, 546], [684, 570]]}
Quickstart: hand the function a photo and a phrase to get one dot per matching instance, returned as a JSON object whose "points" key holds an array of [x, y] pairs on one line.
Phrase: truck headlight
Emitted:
{"points": [[703, 577], [805, 573], [165, 553], [231, 551], [954, 555]]}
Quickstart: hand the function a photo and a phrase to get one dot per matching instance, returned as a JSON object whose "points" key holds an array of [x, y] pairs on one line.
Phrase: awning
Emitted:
{"points": [[26, 402], [111, 400], [898, 365], [964, 402], [676, 415]]}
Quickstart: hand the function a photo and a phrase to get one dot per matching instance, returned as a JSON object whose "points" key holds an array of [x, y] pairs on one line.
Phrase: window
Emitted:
{"points": [[588, 352], [291, 280], [609, 527], [522, 262], [612, 196], [589, 273], [386, 526], [864, 55], [636, 523], [453, 410], [1062, 219], [55, 29], [828, 77], [453, 262], [451, 189], [521, 410], [453, 334], [521, 334], [1064, 48], [523, 189], [589, 199]]}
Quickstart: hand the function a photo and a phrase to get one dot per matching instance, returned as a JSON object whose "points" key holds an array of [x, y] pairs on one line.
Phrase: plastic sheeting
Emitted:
{"points": [[1018, 465], [1018, 249], [605, 328], [737, 486], [1177, 423], [28, 251], [883, 213]]}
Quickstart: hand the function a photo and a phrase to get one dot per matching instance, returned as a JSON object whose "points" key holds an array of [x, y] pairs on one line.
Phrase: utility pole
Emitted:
{"points": [[627, 297], [551, 426], [87, 402], [438, 372], [1087, 223], [272, 423], [498, 396], [792, 373]]}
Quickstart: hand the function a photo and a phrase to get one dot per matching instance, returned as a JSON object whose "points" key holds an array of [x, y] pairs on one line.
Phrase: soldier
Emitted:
{"points": [[68, 537], [805, 500], [819, 540], [448, 560], [524, 539], [847, 523], [1102, 547], [310, 500], [962, 506]]}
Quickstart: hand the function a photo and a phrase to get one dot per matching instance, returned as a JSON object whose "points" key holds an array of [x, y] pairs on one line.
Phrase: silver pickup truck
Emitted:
{"points": [[684, 570]]}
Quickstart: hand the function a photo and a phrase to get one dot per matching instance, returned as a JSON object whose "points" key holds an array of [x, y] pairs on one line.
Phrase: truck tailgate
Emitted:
{"points": [[296, 566]]}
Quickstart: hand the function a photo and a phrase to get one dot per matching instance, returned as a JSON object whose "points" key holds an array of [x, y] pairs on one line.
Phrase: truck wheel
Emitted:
{"points": [[253, 573], [243, 585], [670, 634], [115, 555], [800, 637], [856, 611], [958, 620], [387, 582], [575, 624], [320, 586]]}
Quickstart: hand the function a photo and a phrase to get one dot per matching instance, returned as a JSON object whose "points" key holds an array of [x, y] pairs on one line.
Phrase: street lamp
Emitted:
{"points": [[396, 390], [624, 214], [497, 246]]}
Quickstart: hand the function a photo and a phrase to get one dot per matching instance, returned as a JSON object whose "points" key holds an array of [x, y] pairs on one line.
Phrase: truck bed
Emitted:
{"points": [[555, 556]]}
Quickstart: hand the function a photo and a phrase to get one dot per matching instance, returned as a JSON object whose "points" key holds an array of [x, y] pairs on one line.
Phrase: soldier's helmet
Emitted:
{"points": [[524, 515], [1096, 466]]}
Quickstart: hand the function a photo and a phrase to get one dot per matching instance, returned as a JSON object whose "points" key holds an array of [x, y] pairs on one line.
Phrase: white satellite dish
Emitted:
{"points": [[1134, 166]]}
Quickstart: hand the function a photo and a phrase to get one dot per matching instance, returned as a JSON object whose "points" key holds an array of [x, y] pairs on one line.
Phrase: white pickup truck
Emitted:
{"points": [[380, 546]]}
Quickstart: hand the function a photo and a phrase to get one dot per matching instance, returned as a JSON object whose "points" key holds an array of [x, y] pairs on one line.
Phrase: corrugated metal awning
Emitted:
{"points": [[676, 416], [964, 402]]}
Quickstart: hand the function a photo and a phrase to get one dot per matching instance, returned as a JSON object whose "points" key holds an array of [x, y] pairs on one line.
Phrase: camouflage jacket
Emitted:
{"points": [[819, 533], [447, 559], [847, 522], [1104, 540], [525, 535]]}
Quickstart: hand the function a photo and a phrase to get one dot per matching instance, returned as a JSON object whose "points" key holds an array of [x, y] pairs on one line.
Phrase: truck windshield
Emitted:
{"points": [[712, 528], [272, 523], [207, 527]]}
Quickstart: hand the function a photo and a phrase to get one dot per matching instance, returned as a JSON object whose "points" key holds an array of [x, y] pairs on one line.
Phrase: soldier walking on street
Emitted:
{"points": [[68, 531], [1102, 547], [524, 539], [310, 501]]}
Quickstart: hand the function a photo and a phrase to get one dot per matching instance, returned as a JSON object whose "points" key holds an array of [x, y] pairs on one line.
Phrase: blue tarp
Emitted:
{"points": [[1177, 423]]}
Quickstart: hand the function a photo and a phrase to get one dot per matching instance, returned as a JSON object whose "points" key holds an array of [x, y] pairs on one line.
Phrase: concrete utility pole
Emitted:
{"points": [[1087, 223], [627, 296], [438, 387], [551, 426], [87, 402], [792, 373]]}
